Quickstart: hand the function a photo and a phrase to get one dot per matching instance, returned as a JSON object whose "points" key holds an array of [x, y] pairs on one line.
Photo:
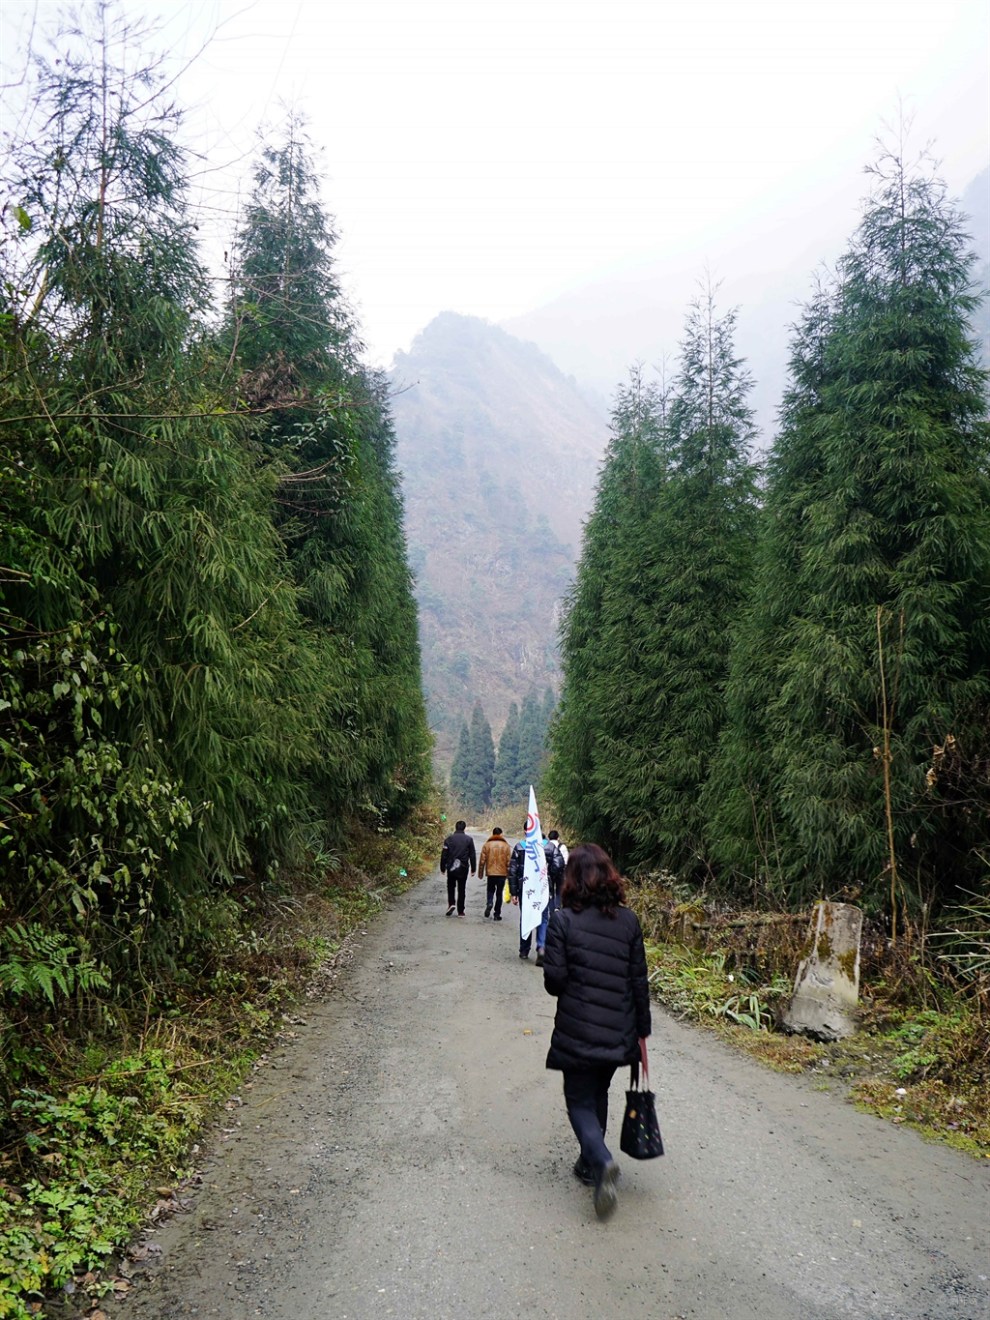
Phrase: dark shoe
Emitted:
{"points": [[460, 914], [450, 911], [582, 1172], [497, 917], [524, 955], [539, 957], [488, 911], [605, 1194]]}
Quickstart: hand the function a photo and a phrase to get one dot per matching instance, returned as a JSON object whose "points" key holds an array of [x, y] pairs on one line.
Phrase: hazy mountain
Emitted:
{"points": [[596, 332], [498, 452]]}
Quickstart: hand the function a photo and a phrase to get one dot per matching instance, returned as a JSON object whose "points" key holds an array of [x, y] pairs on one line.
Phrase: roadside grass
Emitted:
{"points": [[921, 1057], [98, 1124]]}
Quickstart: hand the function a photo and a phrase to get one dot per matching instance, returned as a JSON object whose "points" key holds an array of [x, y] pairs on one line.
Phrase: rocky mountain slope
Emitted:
{"points": [[498, 452]]}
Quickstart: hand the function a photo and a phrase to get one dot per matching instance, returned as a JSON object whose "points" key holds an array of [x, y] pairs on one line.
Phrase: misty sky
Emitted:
{"points": [[487, 155]]}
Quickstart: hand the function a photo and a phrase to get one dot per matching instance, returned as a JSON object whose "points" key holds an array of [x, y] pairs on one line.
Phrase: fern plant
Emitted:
{"points": [[36, 963]]}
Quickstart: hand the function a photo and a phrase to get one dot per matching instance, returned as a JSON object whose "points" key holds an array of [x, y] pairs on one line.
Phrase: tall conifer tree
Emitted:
{"points": [[327, 426], [507, 765], [739, 797], [460, 767], [703, 528], [598, 638], [887, 647], [480, 776]]}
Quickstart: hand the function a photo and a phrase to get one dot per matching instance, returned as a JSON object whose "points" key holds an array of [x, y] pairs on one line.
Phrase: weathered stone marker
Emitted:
{"points": [[826, 988]]}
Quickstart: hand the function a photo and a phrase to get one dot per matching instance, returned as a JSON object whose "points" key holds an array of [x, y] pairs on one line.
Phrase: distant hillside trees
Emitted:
{"points": [[523, 747], [472, 774], [801, 702], [460, 768], [207, 638], [507, 772], [479, 778]]}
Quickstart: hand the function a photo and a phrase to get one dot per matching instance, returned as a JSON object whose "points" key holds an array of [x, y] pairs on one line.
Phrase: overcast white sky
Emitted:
{"points": [[487, 155]]}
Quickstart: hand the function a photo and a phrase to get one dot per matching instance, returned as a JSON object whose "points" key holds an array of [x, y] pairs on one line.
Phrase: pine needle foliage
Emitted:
{"points": [[603, 645], [739, 795], [871, 639], [703, 529], [460, 769], [507, 777]]}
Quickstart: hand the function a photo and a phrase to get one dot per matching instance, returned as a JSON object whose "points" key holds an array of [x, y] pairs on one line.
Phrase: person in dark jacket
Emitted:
{"points": [[455, 858], [595, 964]]}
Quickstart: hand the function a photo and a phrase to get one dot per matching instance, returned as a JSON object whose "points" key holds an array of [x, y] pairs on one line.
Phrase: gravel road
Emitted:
{"points": [[408, 1155]]}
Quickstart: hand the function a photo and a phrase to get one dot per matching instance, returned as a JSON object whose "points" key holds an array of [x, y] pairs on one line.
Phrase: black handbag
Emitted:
{"points": [[641, 1139]]}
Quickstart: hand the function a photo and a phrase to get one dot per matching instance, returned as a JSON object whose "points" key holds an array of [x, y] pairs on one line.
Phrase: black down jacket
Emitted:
{"points": [[596, 966]]}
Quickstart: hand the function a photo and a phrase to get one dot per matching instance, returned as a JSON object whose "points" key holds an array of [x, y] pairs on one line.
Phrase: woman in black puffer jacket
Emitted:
{"points": [[596, 966]]}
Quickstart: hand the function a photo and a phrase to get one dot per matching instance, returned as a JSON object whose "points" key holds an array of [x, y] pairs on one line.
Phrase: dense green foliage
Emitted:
{"points": [[324, 420], [522, 749], [867, 648], [209, 665], [664, 572], [601, 609], [798, 700], [507, 771], [153, 731]]}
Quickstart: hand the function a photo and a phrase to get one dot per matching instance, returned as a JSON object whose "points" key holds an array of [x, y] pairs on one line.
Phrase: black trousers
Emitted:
{"points": [[460, 881], [586, 1097], [495, 885]]}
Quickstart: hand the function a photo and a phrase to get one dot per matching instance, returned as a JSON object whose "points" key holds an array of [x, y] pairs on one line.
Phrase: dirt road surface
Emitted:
{"points": [[408, 1155]]}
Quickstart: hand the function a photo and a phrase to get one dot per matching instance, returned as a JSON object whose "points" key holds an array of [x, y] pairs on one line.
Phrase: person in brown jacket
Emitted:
{"points": [[494, 863]]}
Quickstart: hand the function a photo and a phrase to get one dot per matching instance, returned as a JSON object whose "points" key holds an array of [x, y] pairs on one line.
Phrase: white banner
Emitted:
{"points": [[535, 886]]}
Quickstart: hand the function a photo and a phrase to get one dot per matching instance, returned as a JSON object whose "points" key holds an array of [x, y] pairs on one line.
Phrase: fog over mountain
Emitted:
{"points": [[596, 331]]}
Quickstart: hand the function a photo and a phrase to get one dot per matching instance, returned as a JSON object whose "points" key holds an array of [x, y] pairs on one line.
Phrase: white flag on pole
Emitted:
{"points": [[535, 886]]}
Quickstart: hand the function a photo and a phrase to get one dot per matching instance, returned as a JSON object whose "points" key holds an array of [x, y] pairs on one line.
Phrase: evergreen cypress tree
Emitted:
{"points": [[507, 765], [546, 714], [703, 528], [530, 745], [662, 576], [739, 798], [480, 776], [887, 648], [460, 768], [599, 641]]}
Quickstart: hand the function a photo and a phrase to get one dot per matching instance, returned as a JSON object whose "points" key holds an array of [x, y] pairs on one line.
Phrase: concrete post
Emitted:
{"points": [[826, 988]]}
